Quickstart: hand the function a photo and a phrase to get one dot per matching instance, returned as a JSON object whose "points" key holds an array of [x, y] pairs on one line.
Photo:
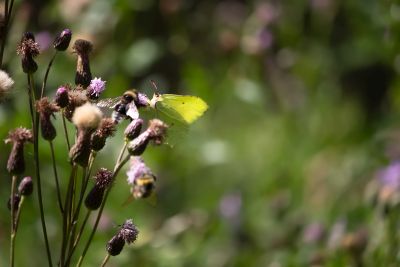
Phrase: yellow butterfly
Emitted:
{"points": [[183, 108]]}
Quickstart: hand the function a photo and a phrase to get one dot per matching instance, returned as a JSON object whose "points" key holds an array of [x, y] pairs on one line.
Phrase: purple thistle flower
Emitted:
{"points": [[96, 87], [129, 231], [390, 176], [138, 169]]}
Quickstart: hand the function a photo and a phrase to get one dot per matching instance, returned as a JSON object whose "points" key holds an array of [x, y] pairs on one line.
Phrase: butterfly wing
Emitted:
{"points": [[184, 108], [108, 102]]}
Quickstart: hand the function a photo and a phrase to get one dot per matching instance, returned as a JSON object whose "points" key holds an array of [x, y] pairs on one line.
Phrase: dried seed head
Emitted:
{"points": [[129, 231], [46, 109], [133, 129], [115, 245], [106, 129], [16, 200], [83, 76], [62, 98], [87, 116], [25, 187], [6, 84], [80, 151], [94, 198], [62, 41], [16, 161], [76, 98], [28, 49], [157, 130], [96, 87]]}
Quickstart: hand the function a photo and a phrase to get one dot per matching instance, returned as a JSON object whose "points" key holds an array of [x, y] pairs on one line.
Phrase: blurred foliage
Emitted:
{"points": [[304, 100]]}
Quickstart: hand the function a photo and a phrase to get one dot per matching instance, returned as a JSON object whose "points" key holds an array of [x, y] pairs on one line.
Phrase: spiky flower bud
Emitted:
{"points": [[46, 109], [133, 129], [156, 132], [6, 84], [28, 49], [75, 99], [115, 245], [104, 179], [62, 41], [62, 98], [96, 87], [25, 187], [128, 233], [16, 200], [86, 118], [16, 161], [83, 75], [106, 129]]}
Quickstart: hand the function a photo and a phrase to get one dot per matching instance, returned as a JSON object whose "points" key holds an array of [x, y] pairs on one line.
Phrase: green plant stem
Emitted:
{"points": [[66, 131], [105, 260], [117, 168], [66, 220], [37, 170], [47, 74], [14, 232], [13, 185], [7, 17], [53, 157]]}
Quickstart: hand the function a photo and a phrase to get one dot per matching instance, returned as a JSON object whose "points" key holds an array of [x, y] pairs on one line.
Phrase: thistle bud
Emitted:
{"points": [[83, 75], [142, 100], [62, 98], [25, 187], [104, 179], [46, 109], [28, 49], [16, 161], [86, 118], [62, 41], [16, 200], [106, 129], [129, 231], [96, 87], [137, 146], [133, 129], [115, 245]]}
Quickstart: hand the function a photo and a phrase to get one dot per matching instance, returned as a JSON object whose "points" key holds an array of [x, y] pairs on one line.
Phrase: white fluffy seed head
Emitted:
{"points": [[87, 116], [6, 84]]}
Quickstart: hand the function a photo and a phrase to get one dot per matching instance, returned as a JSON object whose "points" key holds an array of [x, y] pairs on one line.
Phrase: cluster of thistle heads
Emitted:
{"points": [[77, 104]]}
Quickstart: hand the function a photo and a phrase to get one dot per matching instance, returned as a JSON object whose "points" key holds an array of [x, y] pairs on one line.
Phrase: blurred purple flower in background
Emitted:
{"points": [[314, 233], [44, 39], [390, 175], [230, 206]]}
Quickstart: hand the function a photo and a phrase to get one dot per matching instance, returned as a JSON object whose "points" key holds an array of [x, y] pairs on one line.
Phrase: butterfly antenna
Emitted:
{"points": [[153, 83]]}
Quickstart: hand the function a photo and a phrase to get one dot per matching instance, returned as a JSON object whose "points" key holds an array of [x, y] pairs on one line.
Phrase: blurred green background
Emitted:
{"points": [[304, 104]]}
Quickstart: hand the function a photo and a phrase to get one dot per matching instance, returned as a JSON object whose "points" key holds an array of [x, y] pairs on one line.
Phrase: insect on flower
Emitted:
{"points": [[123, 106]]}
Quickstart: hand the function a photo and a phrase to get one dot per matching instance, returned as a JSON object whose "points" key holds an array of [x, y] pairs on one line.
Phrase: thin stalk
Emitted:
{"points": [[13, 185], [7, 15], [117, 168], [14, 233], [47, 74], [37, 171], [78, 237], [66, 213], [53, 157], [66, 131], [105, 260]]}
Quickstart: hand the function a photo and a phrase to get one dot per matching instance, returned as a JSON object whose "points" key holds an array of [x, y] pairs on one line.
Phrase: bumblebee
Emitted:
{"points": [[144, 186], [123, 107]]}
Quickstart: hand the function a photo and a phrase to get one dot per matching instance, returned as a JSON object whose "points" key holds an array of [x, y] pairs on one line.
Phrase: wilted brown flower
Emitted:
{"points": [[16, 161]]}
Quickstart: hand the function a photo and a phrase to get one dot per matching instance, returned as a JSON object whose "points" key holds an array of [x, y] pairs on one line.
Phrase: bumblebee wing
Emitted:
{"points": [[184, 108], [108, 102], [132, 111]]}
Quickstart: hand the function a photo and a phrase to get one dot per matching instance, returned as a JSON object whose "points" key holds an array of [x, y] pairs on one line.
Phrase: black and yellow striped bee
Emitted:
{"points": [[143, 186]]}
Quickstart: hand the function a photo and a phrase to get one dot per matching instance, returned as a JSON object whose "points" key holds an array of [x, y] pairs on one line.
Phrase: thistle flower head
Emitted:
{"points": [[6, 84], [45, 107], [142, 100], [96, 87], [62, 41], [75, 99], [19, 135], [62, 98], [83, 76], [104, 178], [137, 169], [28, 49], [129, 231], [25, 187], [133, 129], [106, 129], [87, 116], [157, 131]]}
